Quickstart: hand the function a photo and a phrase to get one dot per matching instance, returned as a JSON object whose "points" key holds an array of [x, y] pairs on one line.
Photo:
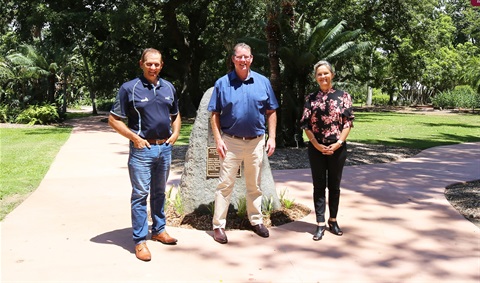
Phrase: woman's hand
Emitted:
{"points": [[334, 146], [325, 150]]}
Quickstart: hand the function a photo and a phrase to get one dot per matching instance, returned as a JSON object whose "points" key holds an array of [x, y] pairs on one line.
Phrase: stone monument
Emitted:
{"points": [[198, 181]]}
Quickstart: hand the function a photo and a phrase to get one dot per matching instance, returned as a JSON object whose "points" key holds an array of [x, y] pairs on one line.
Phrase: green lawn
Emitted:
{"points": [[414, 130], [27, 152], [26, 156]]}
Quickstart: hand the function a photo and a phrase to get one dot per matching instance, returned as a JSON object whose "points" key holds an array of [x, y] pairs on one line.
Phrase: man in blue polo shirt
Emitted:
{"points": [[242, 103], [150, 105]]}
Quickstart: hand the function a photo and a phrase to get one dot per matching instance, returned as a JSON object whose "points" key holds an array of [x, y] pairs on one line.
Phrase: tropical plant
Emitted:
{"points": [[30, 76], [242, 207], [303, 45]]}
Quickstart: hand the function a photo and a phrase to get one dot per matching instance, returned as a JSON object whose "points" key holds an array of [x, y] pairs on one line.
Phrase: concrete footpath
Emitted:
{"points": [[398, 226]]}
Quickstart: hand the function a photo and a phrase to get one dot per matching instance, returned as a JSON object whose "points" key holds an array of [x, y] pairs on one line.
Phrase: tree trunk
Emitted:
{"points": [[272, 34], [369, 96], [90, 81]]}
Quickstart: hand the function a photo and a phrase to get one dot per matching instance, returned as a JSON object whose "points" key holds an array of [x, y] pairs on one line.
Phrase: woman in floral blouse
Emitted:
{"points": [[327, 120]]}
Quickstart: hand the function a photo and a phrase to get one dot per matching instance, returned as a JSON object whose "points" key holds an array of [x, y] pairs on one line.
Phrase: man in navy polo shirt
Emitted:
{"points": [[150, 105], [242, 103]]}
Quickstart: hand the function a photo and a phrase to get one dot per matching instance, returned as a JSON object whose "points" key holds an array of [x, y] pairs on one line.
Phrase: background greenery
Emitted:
{"points": [[70, 53]]}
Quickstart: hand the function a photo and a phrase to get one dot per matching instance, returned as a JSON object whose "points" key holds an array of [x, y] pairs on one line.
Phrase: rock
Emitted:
{"points": [[195, 189]]}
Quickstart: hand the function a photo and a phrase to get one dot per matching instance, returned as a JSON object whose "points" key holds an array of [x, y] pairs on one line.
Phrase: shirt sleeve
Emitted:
{"points": [[119, 107], [347, 115], [272, 99], [214, 103], [174, 108]]}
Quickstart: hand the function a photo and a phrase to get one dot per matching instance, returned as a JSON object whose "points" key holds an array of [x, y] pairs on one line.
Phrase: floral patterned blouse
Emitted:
{"points": [[326, 114]]}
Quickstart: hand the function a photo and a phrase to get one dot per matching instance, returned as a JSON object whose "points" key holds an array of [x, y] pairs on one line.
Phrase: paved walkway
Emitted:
{"points": [[398, 226]]}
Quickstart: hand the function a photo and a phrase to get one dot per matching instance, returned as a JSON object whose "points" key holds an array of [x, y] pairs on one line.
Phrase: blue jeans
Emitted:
{"points": [[148, 169]]}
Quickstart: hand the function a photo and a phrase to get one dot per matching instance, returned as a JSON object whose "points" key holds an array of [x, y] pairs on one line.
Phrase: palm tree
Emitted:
{"points": [[31, 72], [304, 45]]}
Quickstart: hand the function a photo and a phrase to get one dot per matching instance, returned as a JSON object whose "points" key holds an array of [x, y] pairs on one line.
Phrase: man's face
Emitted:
{"points": [[242, 59], [151, 66]]}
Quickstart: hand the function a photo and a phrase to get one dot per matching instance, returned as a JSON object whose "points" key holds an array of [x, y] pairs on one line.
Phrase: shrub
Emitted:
{"points": [[460, 97], [443, 100], [379, 98], [3, 114], [466, 97], [105, 104], [35, 114], [9, 113], [358, 93]]}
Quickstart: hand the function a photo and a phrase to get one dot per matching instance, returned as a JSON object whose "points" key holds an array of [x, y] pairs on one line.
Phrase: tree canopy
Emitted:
{"points": [[65, 51]]}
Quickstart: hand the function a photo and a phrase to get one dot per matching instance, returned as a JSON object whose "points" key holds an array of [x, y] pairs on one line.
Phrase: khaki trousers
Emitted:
{"points": [[251, 153]]}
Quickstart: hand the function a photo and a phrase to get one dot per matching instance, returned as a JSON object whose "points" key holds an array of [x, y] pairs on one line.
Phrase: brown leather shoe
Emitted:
{"points": [[142, 252], [261, 230], [164, 238], [220, 236]]}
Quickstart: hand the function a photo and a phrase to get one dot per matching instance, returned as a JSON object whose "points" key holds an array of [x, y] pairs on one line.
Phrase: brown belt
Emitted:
{"points": [[157, 142], [242, 138]]}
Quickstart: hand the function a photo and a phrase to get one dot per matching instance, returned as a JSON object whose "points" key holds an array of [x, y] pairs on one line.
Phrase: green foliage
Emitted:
{"points": [[34, 114], [242, 207], [379, 98], [3, 114], [443, 100], [178, 203], [8, 114], [460, 97], [267, 205], [357, 92], [466, 97], [211, 208], [105, 104], [287, 203], [168, 195]]}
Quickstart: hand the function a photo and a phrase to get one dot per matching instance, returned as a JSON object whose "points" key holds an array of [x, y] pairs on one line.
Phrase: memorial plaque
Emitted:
{"points": [[213, 164]]}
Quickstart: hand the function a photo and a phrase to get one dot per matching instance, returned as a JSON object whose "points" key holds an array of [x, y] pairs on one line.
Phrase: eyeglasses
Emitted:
{"points": [[243, 57]]}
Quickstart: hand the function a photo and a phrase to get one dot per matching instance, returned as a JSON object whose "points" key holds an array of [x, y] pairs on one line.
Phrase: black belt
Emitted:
{"points": [[242, 138], [157, 142]]}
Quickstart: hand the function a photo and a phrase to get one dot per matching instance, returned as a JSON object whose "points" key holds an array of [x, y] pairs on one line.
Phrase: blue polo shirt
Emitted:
{"points": [[243, 104], [147, 107]]}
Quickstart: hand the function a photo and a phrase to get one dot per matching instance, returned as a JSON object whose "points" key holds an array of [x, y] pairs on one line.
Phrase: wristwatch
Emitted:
{"points": [[340, 142]]}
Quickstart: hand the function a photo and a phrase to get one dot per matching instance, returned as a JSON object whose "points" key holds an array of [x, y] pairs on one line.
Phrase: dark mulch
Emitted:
{"points": [[201, 219]]}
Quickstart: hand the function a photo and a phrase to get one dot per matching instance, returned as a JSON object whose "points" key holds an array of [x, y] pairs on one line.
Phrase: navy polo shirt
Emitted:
{"points": [[147, 107], [243, 104]]}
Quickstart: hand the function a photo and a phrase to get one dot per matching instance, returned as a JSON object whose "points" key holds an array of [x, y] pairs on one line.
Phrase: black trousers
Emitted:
{"points": [[326, 170]]}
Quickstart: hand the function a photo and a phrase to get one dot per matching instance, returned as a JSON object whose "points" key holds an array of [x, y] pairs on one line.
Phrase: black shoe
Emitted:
{"points": [[261, 230], [220, 236], [319, 233], [333, 227]]}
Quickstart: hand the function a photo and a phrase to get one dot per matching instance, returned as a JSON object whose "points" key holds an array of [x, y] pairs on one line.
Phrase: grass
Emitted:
{"points": [[185, 130], [27, 152], [26, 156], [414, 130]]}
